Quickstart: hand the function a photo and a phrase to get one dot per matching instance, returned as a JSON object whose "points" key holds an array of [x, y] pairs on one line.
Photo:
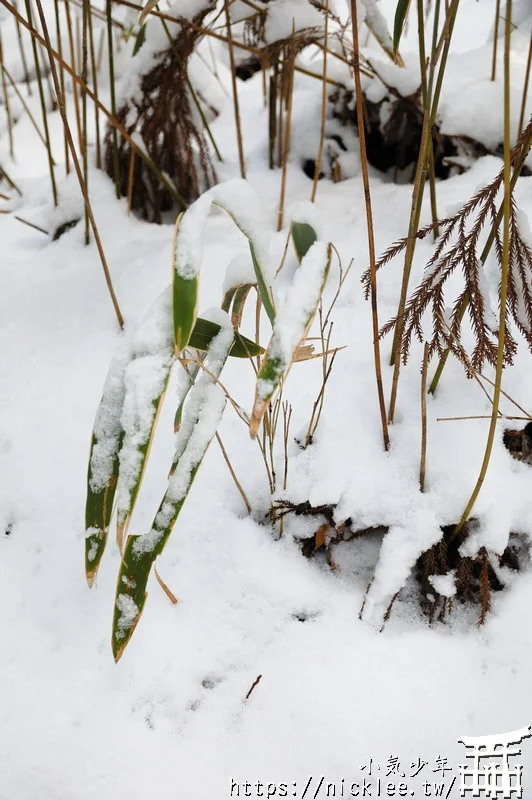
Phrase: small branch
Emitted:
{"points": [[253, 685], [233, 474], [369, 226], [423, 459], [239, 139]]}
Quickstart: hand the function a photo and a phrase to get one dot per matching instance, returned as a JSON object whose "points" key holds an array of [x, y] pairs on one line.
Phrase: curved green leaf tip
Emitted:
{"points": [[304, 237], [399, 22]]}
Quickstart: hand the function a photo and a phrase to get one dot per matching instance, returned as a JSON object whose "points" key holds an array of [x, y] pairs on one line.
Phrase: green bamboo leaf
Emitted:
{"points": [[139, 40], [205, 331], [103, 466], [303, 236], [146, 379], [401, 13], [241, 202], [291, 326], [186, 258], [203, 412]]}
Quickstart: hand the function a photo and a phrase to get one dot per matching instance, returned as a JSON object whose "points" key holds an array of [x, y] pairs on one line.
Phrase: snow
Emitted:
{"points": [[444, 584], [286, 17], [294, 316], [145, 378], [171, 719]]}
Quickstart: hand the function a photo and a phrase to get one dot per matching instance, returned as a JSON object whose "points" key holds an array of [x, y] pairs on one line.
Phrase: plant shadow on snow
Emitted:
{"points": [[445, 578]]}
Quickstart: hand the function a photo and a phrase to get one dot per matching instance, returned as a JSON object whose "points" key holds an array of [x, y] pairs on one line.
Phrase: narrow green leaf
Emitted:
{"points": [[146, 379], [242, 203], [140, 39], [291, 326], [185, 283], [304, 237], [401, 13], [205, 331], [203, 412], [102, 474]]}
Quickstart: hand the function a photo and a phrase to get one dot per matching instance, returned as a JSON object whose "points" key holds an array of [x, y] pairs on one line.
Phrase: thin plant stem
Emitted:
{"points": [[43, 105], [429, 119], [94, 71], [233, 474], [525, 88], [483, 257], [236, 105], [62, 76], [23, 56], [426, 104], [287, 132], [6, 102], [423, 459], [24, 104], [369, 227], [193, 94], [130, 179], [74, 67], [114, 135], [272, 116], [84, 75], [505, 267], [112, 119], [77, 167], [11, 182], [317, 168], [434, 46], [495, 40], [31, 225]]}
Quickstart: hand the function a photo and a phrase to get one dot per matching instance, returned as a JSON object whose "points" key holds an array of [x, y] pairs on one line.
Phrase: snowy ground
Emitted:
{"points": [[170, 719]]}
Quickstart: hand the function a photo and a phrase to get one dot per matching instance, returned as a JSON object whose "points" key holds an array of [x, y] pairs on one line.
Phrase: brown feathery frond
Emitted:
{"points": [[458, 248]]}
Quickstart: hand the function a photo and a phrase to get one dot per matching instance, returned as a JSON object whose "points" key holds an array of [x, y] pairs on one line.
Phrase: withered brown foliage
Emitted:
{"points": [[459, 247], [475, 577], [165, 118]]}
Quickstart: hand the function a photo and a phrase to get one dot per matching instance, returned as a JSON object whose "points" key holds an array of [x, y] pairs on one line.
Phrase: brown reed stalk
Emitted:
{"points": [[6, 102], [505, 270], [236, 105], [23, 55], [94, 73], [73, 62], [525, 87], [23, 103], [288, 129], [369, 227], [110, 55], [43, 105], [53, 54], [495, 40], [77, 167], [317, 168], [62, 75], [84, 75], [429, 119]]}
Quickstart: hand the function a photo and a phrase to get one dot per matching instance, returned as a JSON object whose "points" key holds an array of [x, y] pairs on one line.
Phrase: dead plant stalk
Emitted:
{"points": [[504, 275], [369, 226], [77, 167]]}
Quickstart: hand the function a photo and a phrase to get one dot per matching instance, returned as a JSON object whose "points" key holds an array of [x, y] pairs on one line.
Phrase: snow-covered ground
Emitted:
{"points": [[171, 719]]}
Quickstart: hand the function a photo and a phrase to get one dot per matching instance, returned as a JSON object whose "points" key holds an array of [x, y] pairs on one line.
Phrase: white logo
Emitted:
{"points": [[492, 774]]}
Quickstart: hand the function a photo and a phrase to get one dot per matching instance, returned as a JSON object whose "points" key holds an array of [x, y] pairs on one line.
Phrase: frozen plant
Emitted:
{"points": [[138, 377]]}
